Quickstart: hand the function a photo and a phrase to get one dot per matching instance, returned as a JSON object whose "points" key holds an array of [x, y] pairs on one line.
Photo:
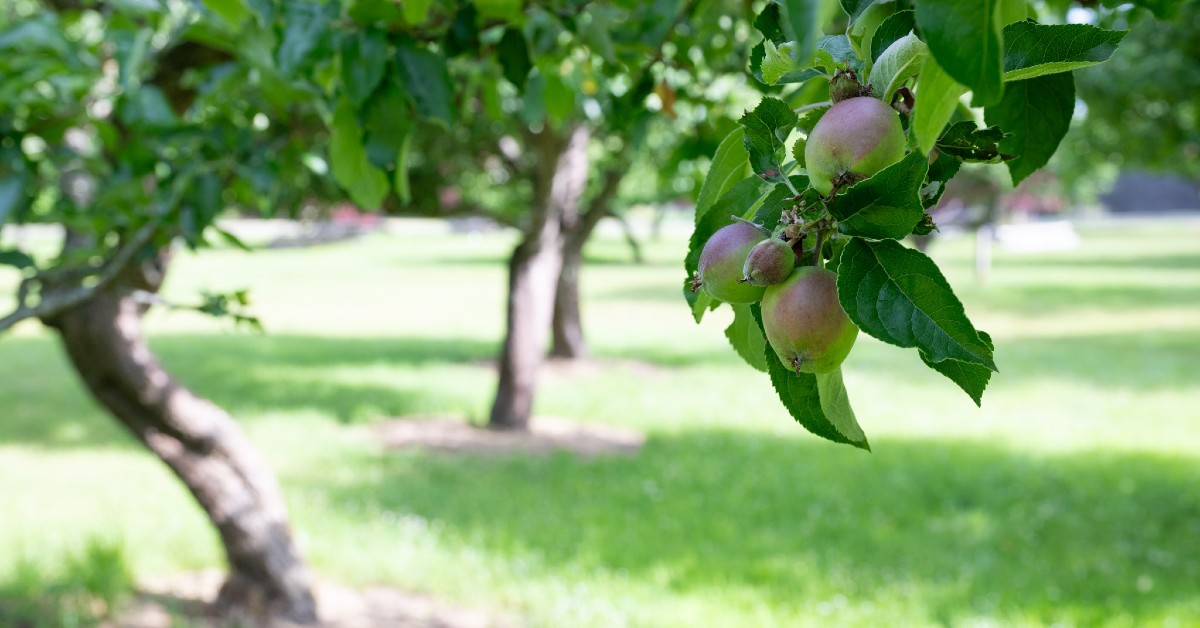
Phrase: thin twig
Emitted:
{"points": [[816, 105]]}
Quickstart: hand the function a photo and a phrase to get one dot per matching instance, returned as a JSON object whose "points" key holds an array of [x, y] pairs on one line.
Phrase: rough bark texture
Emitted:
{"points": [[533, 270], [201, 443], [568, 339]]}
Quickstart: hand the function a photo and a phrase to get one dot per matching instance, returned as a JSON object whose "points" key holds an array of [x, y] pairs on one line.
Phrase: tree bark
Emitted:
{"points": [[200, 442], [533, 271], [568, 339]]}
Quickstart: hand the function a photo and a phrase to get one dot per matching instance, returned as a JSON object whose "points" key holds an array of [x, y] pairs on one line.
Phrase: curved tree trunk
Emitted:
{"points": [[568, 339], [200, 442], [533, 272]]}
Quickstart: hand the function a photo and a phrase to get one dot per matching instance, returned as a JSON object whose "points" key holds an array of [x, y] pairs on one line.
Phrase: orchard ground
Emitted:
{"points": [[1070, 497]]}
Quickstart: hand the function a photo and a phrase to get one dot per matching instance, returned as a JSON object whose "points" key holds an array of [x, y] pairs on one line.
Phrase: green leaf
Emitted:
{"points": [[855, 8], [387, 123], [147, 108], [965, 38], [778, 62], [943, 168], [560, 99], [348, 161], [1011, 11], [1032, 50], [12, 194], [306, 29], [1037, 114], [20, 260], [767, 128], [968, 142], [232, 12], [972, 378], [415, 11], [401, 181], [899, 296], [802, 25], [769, 22], [426, 81], [897, 25], [738, 200], [364, 57], [886, 205], [781, 198], [937, 97], [727, 168], [818, 403], [900, 62], [747, 338], [513, 52]]}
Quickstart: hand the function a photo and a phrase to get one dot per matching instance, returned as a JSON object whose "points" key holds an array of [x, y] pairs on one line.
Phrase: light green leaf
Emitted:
{"points": [[727, 168], [900, 62], [802, 25], [415, 11], [835, 403], [778, 61], [767, 128], [1032, 50], [232, 12], [401, 182], [937, 97], [352, 170], [747, 338], [1011, 11]]}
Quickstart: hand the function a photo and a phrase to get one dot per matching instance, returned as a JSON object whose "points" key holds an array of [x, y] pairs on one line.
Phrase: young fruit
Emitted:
{"points": [[805, 323], [769, 263], [856, 138], [722, 260]]}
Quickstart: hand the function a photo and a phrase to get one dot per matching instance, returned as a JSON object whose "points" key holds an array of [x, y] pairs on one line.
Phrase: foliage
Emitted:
{"points": [[1150, 88], [1017, 71]]}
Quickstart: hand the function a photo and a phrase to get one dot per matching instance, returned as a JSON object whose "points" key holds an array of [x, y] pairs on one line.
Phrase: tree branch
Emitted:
{"points": [[56, 303]]}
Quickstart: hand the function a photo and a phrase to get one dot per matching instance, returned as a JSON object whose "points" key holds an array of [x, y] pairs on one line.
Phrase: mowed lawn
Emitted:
{"points": [[1072, 497]]}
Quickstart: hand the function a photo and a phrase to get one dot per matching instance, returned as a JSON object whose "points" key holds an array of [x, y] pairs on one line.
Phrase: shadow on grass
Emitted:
{"points": [[971, 529]]}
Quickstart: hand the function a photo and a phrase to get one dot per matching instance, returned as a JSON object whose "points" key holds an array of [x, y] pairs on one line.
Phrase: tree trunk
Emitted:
{"points": [[533, 271], [568, 340], [201, 443]]}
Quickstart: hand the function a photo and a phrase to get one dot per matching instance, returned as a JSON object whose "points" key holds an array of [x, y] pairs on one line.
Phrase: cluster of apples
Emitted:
{"points": [[747, 263]]}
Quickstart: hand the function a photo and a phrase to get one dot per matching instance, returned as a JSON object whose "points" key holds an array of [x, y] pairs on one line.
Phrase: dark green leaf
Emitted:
{"points": [[855, 8], [1036, 113], [463, 35], [306, 30], [809, 119], [968, 142], [899, 296], [426, 81], [964, 37], [514, 57], [146, 108], [780, 199], [972, 378], [896, 25], [18, 259], [767, 128], [364, 57], [770, 23], [387, 125], [1032, 50], [12, 195], [886, 205], [747, 338], [943, 168], [727, 168]]}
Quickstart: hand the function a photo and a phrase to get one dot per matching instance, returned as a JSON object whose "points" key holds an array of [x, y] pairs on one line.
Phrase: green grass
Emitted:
{"points": [[1070, 498]]}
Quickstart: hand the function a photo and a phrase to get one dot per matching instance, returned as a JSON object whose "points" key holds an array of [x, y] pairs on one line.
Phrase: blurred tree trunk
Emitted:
{"points": [[199, 441], [559, 180], [568, 340]]}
